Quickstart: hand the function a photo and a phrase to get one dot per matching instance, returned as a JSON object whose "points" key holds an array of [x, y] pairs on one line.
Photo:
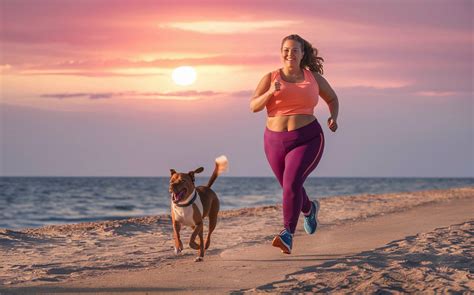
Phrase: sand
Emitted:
{"points": [[440, 261], [407, 242]]}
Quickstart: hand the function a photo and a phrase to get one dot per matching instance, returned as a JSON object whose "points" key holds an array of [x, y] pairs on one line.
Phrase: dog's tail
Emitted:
{"points": [[221, 165]]}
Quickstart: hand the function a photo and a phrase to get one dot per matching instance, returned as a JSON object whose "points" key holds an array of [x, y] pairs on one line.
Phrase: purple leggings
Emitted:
{"points": [[292, 156]]}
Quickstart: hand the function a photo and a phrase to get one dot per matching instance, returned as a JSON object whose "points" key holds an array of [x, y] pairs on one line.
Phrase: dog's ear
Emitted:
{"points": [[191, 173], [172, 172], [199, 170]]}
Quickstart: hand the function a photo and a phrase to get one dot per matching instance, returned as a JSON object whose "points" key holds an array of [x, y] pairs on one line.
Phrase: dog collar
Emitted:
{"points": [[188, 203]]}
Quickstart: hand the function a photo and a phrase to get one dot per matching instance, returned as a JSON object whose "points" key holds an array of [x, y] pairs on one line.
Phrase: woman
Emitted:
{"points": [[293, 139]]}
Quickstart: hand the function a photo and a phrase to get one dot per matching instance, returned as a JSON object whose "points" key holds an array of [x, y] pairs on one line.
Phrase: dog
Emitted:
{"points": [[191, 204]]}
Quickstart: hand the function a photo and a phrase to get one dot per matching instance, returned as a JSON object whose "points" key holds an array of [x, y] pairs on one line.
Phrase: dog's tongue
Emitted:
{"points": [[177, 197]]}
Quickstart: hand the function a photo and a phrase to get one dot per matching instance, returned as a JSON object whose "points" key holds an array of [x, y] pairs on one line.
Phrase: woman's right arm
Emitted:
{"points": [[262, 94]]}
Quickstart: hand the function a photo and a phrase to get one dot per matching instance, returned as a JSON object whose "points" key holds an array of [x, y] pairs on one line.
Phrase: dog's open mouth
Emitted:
{"points": [[178, 196]]}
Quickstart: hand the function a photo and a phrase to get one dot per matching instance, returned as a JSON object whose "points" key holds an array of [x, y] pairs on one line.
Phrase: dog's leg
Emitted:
{"points": [[178, 245], [212, 221], [192, 239], [201, 243], [198, 222], [192, 243]]}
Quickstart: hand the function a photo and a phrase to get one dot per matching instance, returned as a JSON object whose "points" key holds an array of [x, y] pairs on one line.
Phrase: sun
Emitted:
{"points": [[184, 75]]}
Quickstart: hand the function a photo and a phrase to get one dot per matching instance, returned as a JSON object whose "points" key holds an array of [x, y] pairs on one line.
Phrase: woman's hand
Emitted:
{"points": [[264, 92], [332, 124], [275, 86]]}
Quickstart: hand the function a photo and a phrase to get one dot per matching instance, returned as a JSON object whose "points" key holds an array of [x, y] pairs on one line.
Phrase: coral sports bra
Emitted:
{"points": [[294, 98]]}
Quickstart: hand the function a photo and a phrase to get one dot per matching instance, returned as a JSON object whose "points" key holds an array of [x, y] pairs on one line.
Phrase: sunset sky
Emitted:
{"points": [[86, 87]]}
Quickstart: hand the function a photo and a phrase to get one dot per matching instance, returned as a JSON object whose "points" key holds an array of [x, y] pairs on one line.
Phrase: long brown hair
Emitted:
{"points": [[311, 60]]}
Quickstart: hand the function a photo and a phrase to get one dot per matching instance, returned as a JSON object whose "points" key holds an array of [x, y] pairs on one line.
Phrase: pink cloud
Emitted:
{"points": [[378, 44], [179, 95], [438, 93], [85, 74], [161, 63]]}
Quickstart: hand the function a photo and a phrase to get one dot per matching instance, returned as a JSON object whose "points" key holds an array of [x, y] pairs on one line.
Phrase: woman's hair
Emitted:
{"points": [[310, 60]]}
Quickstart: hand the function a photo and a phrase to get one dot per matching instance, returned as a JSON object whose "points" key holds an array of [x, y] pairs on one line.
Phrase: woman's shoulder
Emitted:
{"points": [[317, 76], [271, 75], [274, 74]]}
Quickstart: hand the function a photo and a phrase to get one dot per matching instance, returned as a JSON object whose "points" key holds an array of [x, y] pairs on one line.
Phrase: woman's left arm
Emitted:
{"points": [[327, 93]]}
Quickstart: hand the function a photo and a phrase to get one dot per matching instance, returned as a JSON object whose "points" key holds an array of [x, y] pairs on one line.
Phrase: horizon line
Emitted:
{"points": [[222, 176]]}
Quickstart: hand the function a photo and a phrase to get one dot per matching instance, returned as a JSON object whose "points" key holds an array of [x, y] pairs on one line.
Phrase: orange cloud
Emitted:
{"points": [[437, 93], [129, 67], [176, 95], [229, 27]]}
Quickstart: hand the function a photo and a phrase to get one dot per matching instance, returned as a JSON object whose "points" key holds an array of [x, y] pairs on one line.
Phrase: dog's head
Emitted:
{"points": [[182, 184]]}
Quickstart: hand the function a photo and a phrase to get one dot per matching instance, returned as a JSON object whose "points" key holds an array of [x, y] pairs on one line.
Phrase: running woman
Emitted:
{"points": [[293, 137]]}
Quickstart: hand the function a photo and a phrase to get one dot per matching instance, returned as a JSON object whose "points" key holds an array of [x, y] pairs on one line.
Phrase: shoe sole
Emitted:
{"points": [[277, 242]]}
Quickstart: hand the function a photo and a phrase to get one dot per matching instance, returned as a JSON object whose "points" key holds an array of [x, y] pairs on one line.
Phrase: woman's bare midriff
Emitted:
{"points": [[288, 123]]}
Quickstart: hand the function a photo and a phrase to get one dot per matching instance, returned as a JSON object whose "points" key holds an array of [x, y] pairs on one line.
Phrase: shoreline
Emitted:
{"points": [[64, 253], [62, 201], [386, 197]]}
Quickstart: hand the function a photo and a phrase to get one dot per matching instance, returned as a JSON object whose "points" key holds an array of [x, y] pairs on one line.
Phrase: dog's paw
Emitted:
{"points": [[198, 259], [177, 251]]}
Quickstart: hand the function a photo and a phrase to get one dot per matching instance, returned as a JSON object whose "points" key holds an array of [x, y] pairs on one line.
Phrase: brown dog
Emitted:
{"points": [[190, 205]]}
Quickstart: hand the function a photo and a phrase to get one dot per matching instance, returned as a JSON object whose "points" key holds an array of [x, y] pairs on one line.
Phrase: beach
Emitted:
{"points": [[398, 242]]}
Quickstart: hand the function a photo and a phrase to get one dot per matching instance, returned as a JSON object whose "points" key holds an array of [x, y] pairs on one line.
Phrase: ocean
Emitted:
{"points": [[38, 201]]}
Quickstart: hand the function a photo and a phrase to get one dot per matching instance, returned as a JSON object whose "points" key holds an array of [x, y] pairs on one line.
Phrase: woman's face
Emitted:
{"points": [[291, 53]]}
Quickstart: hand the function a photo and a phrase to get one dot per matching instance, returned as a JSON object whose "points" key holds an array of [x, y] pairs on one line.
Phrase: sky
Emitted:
{"points": [[86, 87]]}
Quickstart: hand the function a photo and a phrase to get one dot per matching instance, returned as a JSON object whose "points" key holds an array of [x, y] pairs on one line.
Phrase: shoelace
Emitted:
{"points": [[286, 234]]}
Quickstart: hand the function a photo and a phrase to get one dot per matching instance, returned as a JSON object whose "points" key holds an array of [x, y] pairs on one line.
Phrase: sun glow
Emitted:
{"points": [[184, 75]]}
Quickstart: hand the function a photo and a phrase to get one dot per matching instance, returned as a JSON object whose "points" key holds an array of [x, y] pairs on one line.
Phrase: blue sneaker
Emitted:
{"points": [[284, 241], [311, 221]]}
